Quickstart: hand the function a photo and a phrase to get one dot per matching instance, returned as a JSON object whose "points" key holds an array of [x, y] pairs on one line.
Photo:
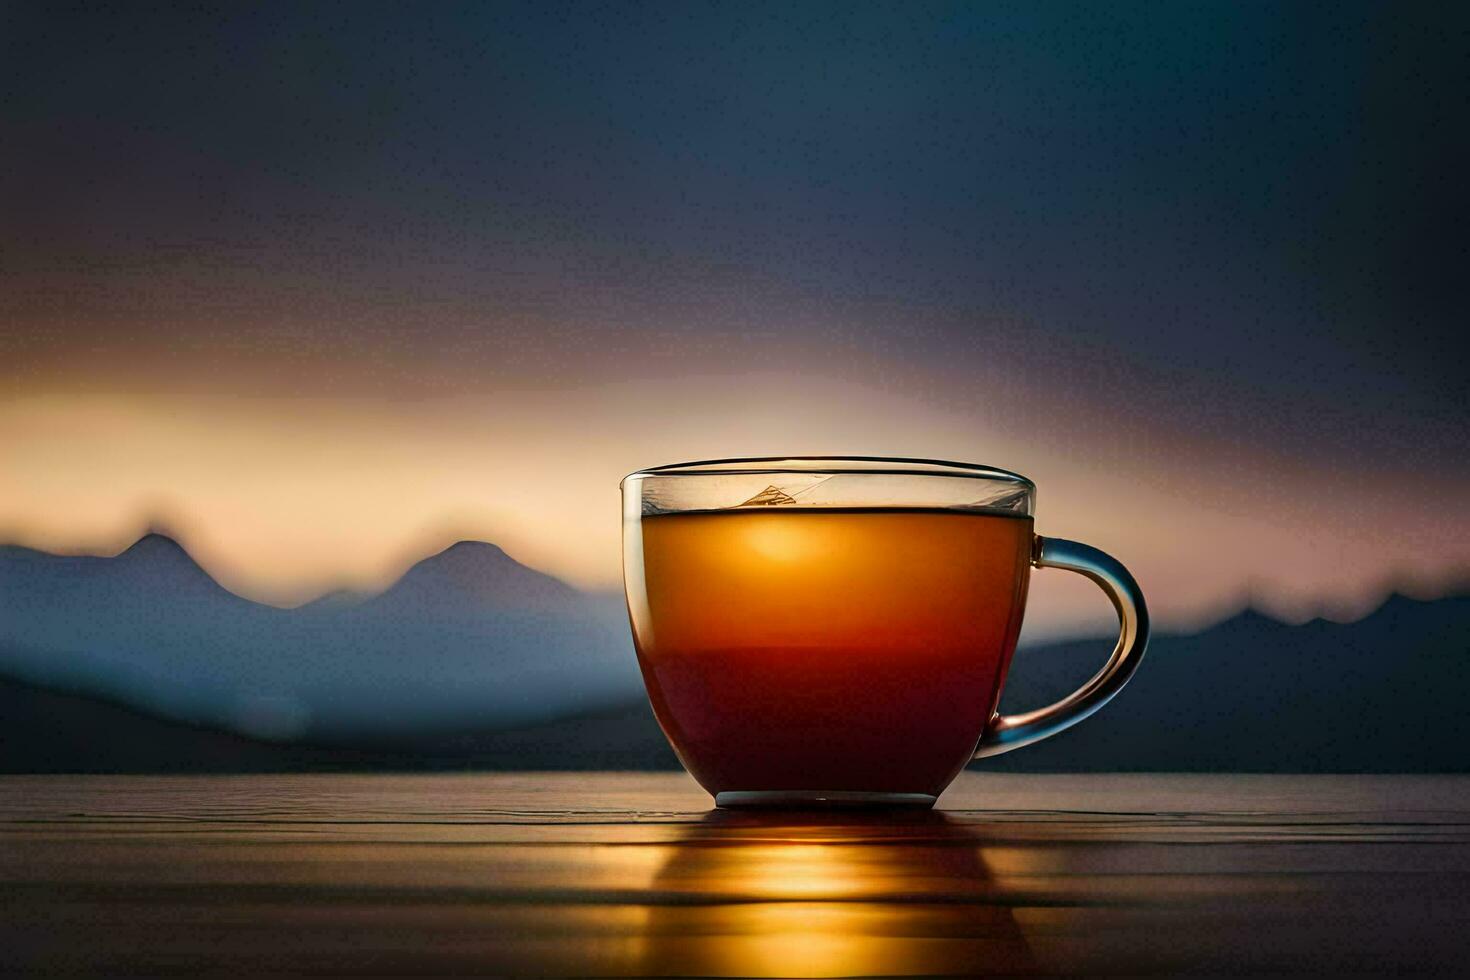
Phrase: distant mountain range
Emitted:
{"points": [[142, 663], [466, 638], [46, 730], [1388, 693], [472, 576]]}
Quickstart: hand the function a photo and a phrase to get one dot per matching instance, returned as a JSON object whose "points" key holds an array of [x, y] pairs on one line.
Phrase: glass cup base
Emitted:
{"points": [[820, 798]]}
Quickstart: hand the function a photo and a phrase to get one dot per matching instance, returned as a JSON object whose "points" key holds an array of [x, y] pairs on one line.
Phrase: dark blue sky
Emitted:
{"points": [[1234, 227]]}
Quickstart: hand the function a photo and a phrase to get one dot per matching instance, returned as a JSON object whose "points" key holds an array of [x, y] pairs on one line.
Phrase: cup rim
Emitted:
{"points": [[833, 465]]}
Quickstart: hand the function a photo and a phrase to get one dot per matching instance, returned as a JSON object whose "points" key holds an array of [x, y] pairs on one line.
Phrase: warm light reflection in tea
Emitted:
{"points": [[827, 648], [777, 542]]}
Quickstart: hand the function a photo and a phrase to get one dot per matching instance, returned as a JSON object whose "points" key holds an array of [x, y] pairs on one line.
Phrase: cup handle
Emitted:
{"points": [[1007, 732]]}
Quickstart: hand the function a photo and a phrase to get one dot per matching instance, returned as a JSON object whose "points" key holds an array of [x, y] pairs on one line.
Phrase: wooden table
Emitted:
{"points": [[633, 874]]}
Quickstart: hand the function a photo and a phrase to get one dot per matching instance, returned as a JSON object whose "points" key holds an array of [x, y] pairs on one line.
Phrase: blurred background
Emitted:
{"points": [[327, 330]]}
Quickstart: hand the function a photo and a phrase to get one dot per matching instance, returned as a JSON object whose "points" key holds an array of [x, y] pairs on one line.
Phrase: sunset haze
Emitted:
{"points": [[320, 293]]}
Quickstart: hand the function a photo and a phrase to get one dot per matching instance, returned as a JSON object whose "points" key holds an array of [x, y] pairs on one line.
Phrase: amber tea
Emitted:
{"points": [[836, 630], [798, 648]]}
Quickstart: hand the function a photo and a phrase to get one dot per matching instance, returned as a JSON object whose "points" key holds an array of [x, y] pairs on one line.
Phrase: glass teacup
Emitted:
{"points": [[838, 630]]}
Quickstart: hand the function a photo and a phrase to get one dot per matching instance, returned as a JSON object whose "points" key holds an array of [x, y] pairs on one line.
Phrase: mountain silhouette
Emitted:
{"points": [[159, 551], [473, 574], [1386, 693], [44, 730], [466, 637], [155, 563], [158, 563], [557, 688], [335, 600], [63, 617]]}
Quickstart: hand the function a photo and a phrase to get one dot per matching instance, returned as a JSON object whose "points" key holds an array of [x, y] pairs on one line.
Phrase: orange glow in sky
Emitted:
{"points": [[318, 318], [282, 499]]}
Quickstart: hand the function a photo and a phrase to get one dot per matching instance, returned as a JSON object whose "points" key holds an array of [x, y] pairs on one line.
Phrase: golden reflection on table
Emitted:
{"points": [[632, 874], [828, 894]]}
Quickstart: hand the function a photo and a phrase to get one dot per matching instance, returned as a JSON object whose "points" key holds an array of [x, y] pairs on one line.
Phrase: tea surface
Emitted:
{"points": [[828, 649]]}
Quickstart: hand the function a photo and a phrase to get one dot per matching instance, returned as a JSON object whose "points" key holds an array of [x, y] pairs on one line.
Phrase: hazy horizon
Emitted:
{"points": [[318, 290], [1049, 618]]}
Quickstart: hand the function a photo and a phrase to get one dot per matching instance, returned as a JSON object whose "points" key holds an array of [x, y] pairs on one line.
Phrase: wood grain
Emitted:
{"points": [[624, 874]]}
